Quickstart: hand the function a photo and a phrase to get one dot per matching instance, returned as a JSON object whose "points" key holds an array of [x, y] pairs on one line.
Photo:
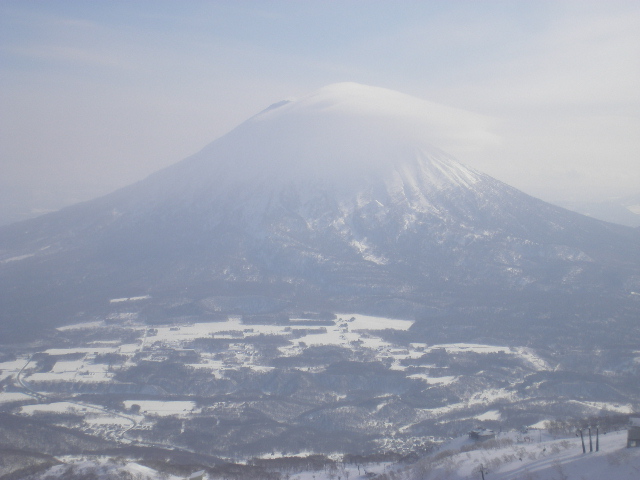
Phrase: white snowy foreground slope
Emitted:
{"points": [[509, 457]]}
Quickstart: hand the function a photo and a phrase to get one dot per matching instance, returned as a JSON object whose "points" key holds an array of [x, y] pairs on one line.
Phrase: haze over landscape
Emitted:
{"points": [[95, 96], [354, 275]]}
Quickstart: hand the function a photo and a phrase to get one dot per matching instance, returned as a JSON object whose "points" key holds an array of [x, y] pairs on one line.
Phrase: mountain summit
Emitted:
{"points": [[343, 138], [342, 134], [334, 200]]}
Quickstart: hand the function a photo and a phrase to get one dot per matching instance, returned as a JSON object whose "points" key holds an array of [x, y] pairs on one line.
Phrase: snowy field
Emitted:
{"points": [[608, 406], [55, 407], [82, 370], [10, 397], [79, 364], [11, 368], [163, 409]]}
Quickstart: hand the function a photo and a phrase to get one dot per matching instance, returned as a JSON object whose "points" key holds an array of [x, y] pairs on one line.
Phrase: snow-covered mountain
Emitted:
{"points": [[334, 200]]}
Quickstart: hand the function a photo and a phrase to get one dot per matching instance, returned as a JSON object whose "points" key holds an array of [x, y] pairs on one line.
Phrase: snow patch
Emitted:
{"points": [[129, 299], [634, 209], [605, 406], [17, 258], [161, 408], [81, 326], [434, 380], [55, 407], [368, 322], [490, 415], [9, 397]]}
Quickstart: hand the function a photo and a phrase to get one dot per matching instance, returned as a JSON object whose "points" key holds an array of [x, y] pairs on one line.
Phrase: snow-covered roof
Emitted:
{"points": [[634, 421]]}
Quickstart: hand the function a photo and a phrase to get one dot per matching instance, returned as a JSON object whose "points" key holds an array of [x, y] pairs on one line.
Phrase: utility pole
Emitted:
{"points": [[584, 450], [482, 471], [590, 442], [597, 438]]}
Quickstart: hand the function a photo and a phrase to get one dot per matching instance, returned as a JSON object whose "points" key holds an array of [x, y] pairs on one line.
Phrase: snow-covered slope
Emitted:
{"points": [[511, 458]]}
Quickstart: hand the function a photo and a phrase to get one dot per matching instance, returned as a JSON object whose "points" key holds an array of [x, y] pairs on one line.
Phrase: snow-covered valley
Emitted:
{"points": [[242, 388]]}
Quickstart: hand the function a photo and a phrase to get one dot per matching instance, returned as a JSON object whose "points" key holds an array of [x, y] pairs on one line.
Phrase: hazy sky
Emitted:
{"points": [[96, 95]]}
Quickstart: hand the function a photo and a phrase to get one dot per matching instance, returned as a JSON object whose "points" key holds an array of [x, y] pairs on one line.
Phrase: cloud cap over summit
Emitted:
{"points": [[341, 128]]}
